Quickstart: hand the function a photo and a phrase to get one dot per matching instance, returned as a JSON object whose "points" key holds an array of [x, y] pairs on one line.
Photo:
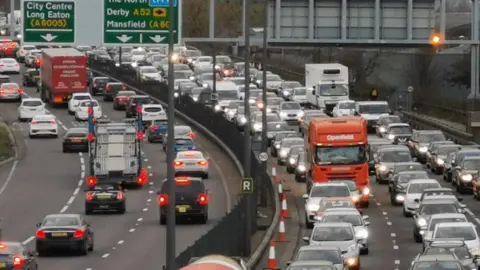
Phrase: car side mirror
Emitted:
{"points": [[38, 225], [417, 200], [305, 196], [359, 241], [306, 239], [367, 223], [288, 263], [476, 257], [460, 198]]}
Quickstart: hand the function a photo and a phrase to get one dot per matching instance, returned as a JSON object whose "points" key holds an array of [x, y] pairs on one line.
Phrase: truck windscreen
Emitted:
{"points": [[334, 90], [339, 155], [373, 108]]}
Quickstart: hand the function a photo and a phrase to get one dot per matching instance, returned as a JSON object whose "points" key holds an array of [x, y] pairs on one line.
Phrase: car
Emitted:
{"points": [[133, 102], [448, 168], [284, 86], [455, 231], [111, 90], [323, 253], [273, 104], [81, 113], [292, 157], [301, 168], [440, 218], [75, 101], [337, 234], [256, 121], [458, 248], [64, 231], [182, 143], [180, 131], [435, 192], [285, 146], [372, 149], [9, 65], [413, 193], [355, 193], [398, 186], [15, 255], [121, 99], [384, 121], [436, 262], [151, 112], [191, 202], [75, 139], [359, 223], [273, 128], [436, 159], [157, 130], [98, 85], [191, 163], [240, 119], [30, 107], [387, 157], [312, 264], [398, 133], [43, 125], [105, 196], [344, 108], [462, 154], [420, 140], [22, 52], [31, 56], [147, 74], [326, 204], [231, 109], [277, 139], [426, 209], [315, 194], [434, 145], [291, 112], [30, 77], [464, 173], [299, 94], [10, 91]]}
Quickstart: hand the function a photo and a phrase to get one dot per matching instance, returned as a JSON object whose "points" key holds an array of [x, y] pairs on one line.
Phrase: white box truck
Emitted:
{"points": [[326, 84]]}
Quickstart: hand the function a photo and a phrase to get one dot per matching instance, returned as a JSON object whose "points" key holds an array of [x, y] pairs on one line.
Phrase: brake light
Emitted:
{"points": [[202, 162], [192, 135], [20, 91], [140, 136], [89, 196], [2, 246], [91, 181], [18, 262], [79, 233], [1, 65], [141, 179], [203, 199], [90, 137], [34, 122], [22, 51], [260, 105], [182, 180], [178, 163], [120, 196], [108, 88], [320, 214], [162, 200], [124, 87], [40, 234], [153, 128], [53, 122], [1, 89]]}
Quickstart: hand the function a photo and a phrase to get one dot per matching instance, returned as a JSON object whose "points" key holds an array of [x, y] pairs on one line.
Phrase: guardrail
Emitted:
{"points": [[227, 237]]}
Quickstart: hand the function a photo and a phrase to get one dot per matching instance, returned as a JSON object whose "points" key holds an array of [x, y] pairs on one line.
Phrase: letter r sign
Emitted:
{"points": [[247, 185]]}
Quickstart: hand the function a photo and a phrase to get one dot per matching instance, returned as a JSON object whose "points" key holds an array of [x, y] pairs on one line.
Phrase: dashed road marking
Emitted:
{"points": [[379, 204], [145, 209], [393, 235], [468, 211], [70, 201], [384, 213], [146, 160], [76, 191], [389, 223], [131, 230], [395, 247], [397, 262], [477, 220], [28, 240], [140, 219], [80, 182], [149, 200], [120, 242], [105, 255], [64, 208]]}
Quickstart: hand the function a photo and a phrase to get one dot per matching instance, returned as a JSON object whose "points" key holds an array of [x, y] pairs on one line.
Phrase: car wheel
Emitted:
{"points": [[71, 112], [308, 224], [392, 200], [64, 150], [204, 219], [205, 176], [41, 252], [163, 220], [122, 210], [31, 136], [417, 237], [91, 248], [405, 213], [364, 251], [83, 251]]}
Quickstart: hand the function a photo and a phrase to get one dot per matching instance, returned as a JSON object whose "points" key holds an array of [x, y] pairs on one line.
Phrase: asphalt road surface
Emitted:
{"points": [[48, 181]]}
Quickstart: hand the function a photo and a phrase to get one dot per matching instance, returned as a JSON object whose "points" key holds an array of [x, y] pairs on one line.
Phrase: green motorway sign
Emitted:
{"points": [[51, 22], [135, 23]]}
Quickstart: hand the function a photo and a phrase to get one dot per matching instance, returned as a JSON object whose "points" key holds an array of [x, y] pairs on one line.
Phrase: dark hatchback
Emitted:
{"points": [[98, 85], [15, 255], [191, 200], [31, 77], [75, 140], [112, 89], [105, 197], [131, 110]]}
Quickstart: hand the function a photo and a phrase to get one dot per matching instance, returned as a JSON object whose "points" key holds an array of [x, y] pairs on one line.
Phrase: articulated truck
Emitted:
{"points": [[63, 72]]}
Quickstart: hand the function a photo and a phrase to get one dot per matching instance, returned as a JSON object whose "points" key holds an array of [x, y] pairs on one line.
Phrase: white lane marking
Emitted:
{"points": [[150, 174], [136, 224], [80, 153], [131, 230], [150, 183], [389, 223], [120, 242], [82, 175], [64, 209], [395, 247], [149, 200], [9, 177], [105, 255], [146, 160], [150, 191], [477, 220], [145, 209], [82, 161], [64, 127], [393, 235], [70, 201], [82, 167], [88, 269], [75, 192], [379, 204], [28, 240], [149, 167], [468, 211], [58, 121], [384, 213], [397, 262], [80, 182]]}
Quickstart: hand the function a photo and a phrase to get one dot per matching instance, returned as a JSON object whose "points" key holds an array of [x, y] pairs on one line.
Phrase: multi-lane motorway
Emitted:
{"points": [[45, 181]]}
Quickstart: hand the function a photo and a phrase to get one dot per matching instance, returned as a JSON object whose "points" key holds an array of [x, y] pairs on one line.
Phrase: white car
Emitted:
{"points": [[151, 112], [29, 108], [344, 108], [415, 189], [31, 56], [81, 114], [138, 55], [75, 101], [10, 91], [23, 52], [148, 74], [202, 61], [291, 112], [43, 125], [9, 65], [191, 163], [459, 230]]}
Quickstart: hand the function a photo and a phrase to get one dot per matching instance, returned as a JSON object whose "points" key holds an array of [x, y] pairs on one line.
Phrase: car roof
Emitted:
{"points": [[422, 181], [455, 224], [433, 201], [436, 257], [316, 247], [411, 163], [312, 263], [330, 184], [411, 172], [389, 148], [333, 224], [183, 137], [62, 215], [342, 211], [470, 158], [152, 105], [31, 99], [398, 125], [81, 94], [44, 116]]}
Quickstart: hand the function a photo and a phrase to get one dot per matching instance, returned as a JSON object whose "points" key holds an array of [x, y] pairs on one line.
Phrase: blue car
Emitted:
{"points": [[183, 143], [157, 131]]}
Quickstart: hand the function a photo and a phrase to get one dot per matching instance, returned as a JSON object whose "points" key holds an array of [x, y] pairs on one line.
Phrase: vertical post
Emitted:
{"points": [[474, 54], [214, 66], [211, 28], [244, 12], [120, 55], [262, 187], [277, 20], [91, 131], [410, 19], [378, 20], [443, 18], [171, 250], [311, 18], [344, 23], [13, 21], [247, 139]]}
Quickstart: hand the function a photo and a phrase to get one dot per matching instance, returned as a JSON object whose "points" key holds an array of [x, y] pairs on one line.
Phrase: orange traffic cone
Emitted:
{"points": [[282, 236], [274, 174], [272, 261], [284, 206], [280, 190]]}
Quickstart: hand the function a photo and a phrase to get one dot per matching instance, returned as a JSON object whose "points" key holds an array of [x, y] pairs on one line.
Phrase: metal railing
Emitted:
{"points": [[227, 136]]}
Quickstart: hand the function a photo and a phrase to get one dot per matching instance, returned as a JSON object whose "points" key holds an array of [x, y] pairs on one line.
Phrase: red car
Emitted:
{"points": [[121, 99], [8, 48]]}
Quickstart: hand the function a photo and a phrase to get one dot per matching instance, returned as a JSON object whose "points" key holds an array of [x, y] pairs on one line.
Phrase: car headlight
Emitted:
{"points": [[19, 36], [260, 105], [174, 57], [312, 207], [362, 234], [475, 251], [351, 261], [440, 161], [205, 85], [300, 114], [382, 129], [257, 126], [277, 146], [423, 149], [217, 67], [3, 32], [195, 98], [400, 198], [283, 153], [283, 114], [286, 93], [134, 64], [259, 82], [217, 107], [117, 64], [355, 198], [382, 168], [243, 120], [251, 101], [422, 222], [269, 110], [366, 191], [192, 78], [467, 177], [175, 94], [291, 161], [189, 60], [391, 137], [226, 110], [231, 113], [301, 168]]}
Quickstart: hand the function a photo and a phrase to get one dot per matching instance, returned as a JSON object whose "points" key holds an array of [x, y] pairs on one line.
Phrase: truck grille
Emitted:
{"points": [[340, 176]]}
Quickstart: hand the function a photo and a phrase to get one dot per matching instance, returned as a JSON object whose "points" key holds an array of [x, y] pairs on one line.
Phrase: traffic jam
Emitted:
{"points": [[339, 149]]}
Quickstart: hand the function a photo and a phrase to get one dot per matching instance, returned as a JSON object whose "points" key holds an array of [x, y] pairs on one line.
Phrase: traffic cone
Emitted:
{"points": [[280, 190], [282, 236], [274, 174], [272, 261], [284, 206]]}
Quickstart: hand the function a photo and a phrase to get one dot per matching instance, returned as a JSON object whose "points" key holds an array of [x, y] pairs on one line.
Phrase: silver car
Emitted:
{"points": [[256, 121], [341, 235], [232, 107], [10, 91], [324, 253], [240, 119], [387, 157], [285, 146], [291, 112], [359, 223], [312, 264], [441, 218], [191, 163], [299, 94], [292, 157], [273, 104], [275, 147], [273, 128], [273, 82]]}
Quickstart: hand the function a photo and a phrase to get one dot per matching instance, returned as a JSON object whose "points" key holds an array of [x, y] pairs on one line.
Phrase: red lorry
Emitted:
{"points": [[63, 72]]}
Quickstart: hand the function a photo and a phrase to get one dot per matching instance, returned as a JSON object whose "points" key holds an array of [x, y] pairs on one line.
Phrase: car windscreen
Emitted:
{"points": [[290, 106], [332, 234], [418, 188], [440, 208], [330, 191], [227, 94], [32, 103], [466, 233], [183, 142], [373, 109]]}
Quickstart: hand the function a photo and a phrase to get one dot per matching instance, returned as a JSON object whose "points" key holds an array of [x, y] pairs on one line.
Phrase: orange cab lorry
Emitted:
{"points": [[63, 71], [337, 150]]}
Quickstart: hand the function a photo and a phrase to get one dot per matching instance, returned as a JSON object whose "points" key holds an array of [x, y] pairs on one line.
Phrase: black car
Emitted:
{"points": [[30, 77], [373, 146], [301, 168], [105, 197], [275, 145], [75, 140], [398, 186], [112, 89], [126, 64], [64, 231], [15, 255], [98, 85], [191, 200], [133, 102]]}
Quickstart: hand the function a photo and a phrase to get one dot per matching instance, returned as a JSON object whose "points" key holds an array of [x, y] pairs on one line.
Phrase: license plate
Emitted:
{"points": [[182, 208], [60, 234], [182, 149], [104, 206], [103, 197], [76, 140], [33, 109], [3, 265], [191, 164]]}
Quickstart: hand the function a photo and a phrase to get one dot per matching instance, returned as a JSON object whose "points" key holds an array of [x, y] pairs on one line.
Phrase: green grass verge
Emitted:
{"points": [[6, 150]]}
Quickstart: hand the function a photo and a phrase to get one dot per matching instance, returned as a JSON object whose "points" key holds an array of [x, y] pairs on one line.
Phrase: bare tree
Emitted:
{"points": [[361, 65], [460, 72]]}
